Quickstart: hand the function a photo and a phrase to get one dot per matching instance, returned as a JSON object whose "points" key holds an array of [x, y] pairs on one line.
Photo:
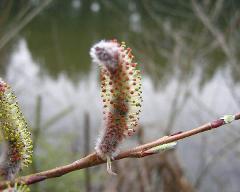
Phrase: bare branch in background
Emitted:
{"points": [[21, 24], [232, 91], [87, 150], [215, 33], [217, 9], [218, 156]]}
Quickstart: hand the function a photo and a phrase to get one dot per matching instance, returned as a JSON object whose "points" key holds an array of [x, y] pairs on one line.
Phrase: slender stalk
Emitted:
{"points": [[36, 134], [87, 150], [137, 152]]}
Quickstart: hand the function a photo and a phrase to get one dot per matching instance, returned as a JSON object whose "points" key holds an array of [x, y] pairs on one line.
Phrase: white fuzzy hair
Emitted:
{"points": [[106, 48]]}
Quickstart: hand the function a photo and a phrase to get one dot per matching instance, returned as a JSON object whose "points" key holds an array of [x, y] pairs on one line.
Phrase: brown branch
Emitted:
{"points": [[93, 159]]}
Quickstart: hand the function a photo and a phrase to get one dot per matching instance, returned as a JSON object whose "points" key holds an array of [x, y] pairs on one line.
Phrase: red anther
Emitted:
{"points": [[131, 117], [104, 90], [130, 73], [132, 92], [123, 74]]}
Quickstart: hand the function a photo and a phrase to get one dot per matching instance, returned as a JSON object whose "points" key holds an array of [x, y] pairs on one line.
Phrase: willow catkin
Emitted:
{"points": [[17, 188], [17, 144], [120, 92]]}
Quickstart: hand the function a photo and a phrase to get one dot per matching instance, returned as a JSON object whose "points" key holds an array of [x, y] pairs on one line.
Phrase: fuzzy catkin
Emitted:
{"points": [[121, 94], [17, 144], [17, 188]]}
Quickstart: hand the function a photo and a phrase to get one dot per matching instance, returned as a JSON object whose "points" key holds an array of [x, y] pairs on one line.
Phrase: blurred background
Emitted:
{"points": [[188, 52]]}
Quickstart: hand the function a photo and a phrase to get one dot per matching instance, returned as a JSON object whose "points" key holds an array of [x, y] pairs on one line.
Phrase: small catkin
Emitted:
{"points": [[17, 188], [121, 94], [17, 144]]}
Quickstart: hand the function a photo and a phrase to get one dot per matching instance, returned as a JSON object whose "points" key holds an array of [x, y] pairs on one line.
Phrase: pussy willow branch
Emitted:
{"points": [[137, 152]]}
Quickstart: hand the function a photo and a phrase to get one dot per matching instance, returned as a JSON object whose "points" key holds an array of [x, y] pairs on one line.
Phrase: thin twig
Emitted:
{"points": [[20, 25], [204, 18], [138, 152]]}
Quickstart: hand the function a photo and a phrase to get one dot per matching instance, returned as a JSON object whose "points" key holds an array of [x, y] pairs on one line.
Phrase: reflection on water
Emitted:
{"points": [[29, 81], [188, 76], [193, 106]]}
